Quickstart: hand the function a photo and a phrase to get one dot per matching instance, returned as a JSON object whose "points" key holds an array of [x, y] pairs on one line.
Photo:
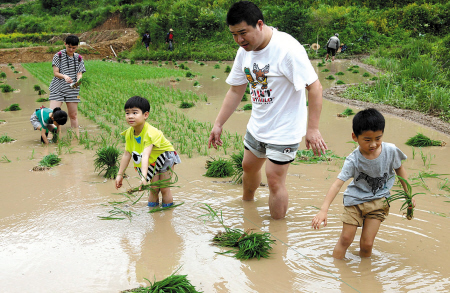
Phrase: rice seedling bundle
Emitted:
{"points": [[320, 64], [366, 74], [184, 105], [228, 69], [244, 244], [196, 83], [407, 196], [325, 70], [421, 140], [13, 107], [237, 159], [107, 160], [41, 92], [330, 77], [355, 71], [244, 98], [217, 66], [2, 75], [308, 157], [219, 168], [247, 107], [5, 138], [50, 160], [171, 284], [340, 73], [340, 81], [22, 77], [347, 112], [6, 88], [189, 74]]}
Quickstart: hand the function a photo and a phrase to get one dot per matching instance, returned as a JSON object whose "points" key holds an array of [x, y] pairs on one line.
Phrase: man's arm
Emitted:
{"points": [[230, 103], [313, 138]]}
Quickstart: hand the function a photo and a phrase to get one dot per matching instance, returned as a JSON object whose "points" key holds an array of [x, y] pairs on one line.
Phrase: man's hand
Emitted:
{"points": [[314, 140], [214, 137]]}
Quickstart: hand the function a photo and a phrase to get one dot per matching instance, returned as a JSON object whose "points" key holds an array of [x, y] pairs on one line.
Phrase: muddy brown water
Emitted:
{"points": [[52, 241]]}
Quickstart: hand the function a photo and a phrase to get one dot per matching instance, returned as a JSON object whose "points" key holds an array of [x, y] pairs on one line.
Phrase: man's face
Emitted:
{"points": [[248, 37], [70, 49]]}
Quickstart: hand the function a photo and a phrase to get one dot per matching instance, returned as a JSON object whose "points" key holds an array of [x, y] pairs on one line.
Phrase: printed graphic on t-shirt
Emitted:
{"points": [[259, 96], [375, 183], [136, 157]]}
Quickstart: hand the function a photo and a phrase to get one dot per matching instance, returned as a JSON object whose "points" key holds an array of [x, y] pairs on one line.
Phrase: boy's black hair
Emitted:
{"points": [[138, 102], [244, 11], [59, 116], [72, 40], [366, 120]]}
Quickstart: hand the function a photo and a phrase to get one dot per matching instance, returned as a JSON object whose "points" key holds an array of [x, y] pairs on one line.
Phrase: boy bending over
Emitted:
{"points": [[151, 152], [372, 167]]}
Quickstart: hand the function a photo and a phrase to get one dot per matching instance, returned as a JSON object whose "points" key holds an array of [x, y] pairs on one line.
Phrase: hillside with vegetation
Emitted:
{"points": [[408, 40]]}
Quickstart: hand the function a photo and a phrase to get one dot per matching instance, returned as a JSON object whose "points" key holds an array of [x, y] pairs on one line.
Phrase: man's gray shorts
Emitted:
{"points": [[278, 154]]}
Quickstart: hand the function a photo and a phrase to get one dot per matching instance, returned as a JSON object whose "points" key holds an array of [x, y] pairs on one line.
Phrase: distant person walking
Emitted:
{"points": [[68, 68], [146, 40], [332, 46], [169, 39]]}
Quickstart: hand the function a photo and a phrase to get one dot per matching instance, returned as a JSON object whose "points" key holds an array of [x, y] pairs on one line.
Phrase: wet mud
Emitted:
{"points": [[52, 240]]}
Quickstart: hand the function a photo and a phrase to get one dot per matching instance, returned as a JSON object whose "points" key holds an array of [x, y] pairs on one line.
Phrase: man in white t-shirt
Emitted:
{"points": [[278, 70]]}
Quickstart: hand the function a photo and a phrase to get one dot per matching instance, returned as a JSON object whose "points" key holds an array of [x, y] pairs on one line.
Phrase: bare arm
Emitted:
{"points": [[59, 75], [331, 194], [144, 163], [44, 137], [313, 138], [123, 165], [230, 103]]}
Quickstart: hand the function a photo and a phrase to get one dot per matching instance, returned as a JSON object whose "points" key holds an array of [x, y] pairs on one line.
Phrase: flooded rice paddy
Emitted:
{"points": [[51, 239]]}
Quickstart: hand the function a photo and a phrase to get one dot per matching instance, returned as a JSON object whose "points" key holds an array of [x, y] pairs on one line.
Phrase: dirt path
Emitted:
{"points": [[334, 94]]}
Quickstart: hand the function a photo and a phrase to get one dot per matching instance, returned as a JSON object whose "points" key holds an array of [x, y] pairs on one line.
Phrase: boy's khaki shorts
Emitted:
{"points": [[375, 209]]}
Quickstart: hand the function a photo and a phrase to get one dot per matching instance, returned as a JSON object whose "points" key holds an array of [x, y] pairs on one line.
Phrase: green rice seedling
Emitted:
{"points": [[196, 83], [413, 152], [219, 168], [340, 73], [41, 92], [186, 68], [308, 157], [330, 77], [350, 69], [13, 107], [340, 81], [247, 107], [107, 160], [118, 60], [189, 74], [2, 74], [50, 161], [325, 70], [212, 77], [444, 215], [167, 62], [407, 196], [6, 88], [5, 159], [171, 284], [228, 69], [374, 78], [366, 74], [320, 64], [2, 121], [184, 104], [163, 183], [445, 185], [247, 90], [347, 112], [32, 155], [217, 66], [420, 140], [159, 209], [244, 98], [15, 71], [355, 71], [244, 244], [5, 138], [355, 66], [181, 66], [22, 77], [37, 87], [237, 159], [201, 63], [39, 100]]}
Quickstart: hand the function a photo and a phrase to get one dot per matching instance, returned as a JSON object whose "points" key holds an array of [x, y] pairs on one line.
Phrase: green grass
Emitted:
{"points": [[5, 138], [50, 160], [107, 160], [421, 140], [13, 107], [219, 168]]}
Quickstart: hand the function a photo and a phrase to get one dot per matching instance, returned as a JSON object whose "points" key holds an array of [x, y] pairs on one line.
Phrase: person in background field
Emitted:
{"points": [[153, 155], [372, 167], [277, 69], [169, 39], [146, 40], [332, 46], [68, 69], [46, 119]]}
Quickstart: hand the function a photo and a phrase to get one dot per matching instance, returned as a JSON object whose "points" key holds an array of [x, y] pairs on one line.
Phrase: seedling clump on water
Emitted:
{"points": [[244, 244], [421, 140], [219, 168], [47, 162], [347, 112], [5, 138], [107, 160], [13, 107]]}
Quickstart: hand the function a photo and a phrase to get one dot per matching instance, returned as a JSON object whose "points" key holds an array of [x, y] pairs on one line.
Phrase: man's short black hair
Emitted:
{"points": [[244, 11], [368, 120], [138, 102], [72, 40]]}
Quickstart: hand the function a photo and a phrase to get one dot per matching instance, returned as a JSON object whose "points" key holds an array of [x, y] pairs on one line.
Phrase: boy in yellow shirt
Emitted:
{"points": [[151, 152]]}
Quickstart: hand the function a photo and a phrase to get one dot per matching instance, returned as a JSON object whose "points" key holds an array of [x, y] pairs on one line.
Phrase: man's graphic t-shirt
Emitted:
{"points": [[277, 77], [135, 144]]}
